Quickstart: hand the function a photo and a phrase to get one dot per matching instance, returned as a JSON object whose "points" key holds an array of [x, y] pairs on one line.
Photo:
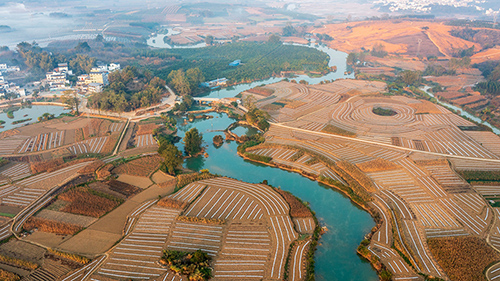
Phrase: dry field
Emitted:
{"points": [[142, 167], [398, 36], [251, 243], [397, 165], [82, 201]]}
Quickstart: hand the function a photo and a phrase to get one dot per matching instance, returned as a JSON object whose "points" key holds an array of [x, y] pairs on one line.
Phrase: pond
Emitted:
{"points": [[336, 257], [32, 112]]}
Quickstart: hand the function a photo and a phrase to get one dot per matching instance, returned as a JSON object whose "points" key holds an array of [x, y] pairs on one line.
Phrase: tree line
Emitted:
{"points": [[129, 89]]}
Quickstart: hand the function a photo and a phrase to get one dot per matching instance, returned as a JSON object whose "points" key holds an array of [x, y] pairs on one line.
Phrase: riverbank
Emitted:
{"points": [[374, 261]]}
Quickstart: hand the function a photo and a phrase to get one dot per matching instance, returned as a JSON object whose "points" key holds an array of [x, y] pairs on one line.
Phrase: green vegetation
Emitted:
{"points": [[218, 140], [129, 89], [384, 111], [337, 131], [260, 158], [258, 118], [253, 140], [7, 215], [186, 83], [193, 265], [45, 117], [2, 122], [483, 176], [21, 121], [379, 50], [71, 98], [185, 105], [464, 33], [172, 157], [192, 142], [489, 87], [260, 60], [8, 276], [10, 114]]}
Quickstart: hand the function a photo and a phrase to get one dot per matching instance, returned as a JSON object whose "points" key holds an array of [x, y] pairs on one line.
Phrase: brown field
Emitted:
{"points": [[451, 95], [83, 202], [463, 258], [377, 165], [469, 100], [456, 82], [425, 107], [486, 55], [172, 203], [398, 37], [122, 188], [142, 167], [141, 182], [51, 226], [91, 168], [38, 167], [146, 129]]}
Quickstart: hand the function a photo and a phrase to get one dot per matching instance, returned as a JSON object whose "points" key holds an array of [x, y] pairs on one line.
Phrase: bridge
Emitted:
{"points": [[203, 100]]}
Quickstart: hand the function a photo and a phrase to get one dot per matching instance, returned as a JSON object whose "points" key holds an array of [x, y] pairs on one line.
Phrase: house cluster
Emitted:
{"points": [[58, 79], [7, 87], [96, 79]]}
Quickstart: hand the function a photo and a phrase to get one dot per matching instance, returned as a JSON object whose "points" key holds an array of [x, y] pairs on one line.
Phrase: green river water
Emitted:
{"points": [[336, 257]]}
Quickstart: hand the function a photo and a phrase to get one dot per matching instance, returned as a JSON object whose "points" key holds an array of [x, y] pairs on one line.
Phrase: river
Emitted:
{"points": [[336, 257], [462, 111], [32, 112]]}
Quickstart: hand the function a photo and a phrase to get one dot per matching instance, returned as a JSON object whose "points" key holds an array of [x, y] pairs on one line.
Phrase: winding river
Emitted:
{"points": [[336, 257]]}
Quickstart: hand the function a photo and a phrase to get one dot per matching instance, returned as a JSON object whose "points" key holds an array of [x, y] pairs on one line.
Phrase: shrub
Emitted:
{"points": [[104, 171], [18, 262], [359, 176], [8, 276], [193, 265], [185, 179], [297, 208], [72, 257], [172, 203], [260, 158], [201, 220], [123, 188], [337, 131]]}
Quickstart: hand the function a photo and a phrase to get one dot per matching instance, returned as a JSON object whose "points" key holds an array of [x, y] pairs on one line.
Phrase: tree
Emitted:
{"points": [[274, 39], [195, 77], [71, 98], [409, 77], [378, 50], [99, 38], [82, 47], [172, 157], [180, 82], [192, 141], [209, 39]]}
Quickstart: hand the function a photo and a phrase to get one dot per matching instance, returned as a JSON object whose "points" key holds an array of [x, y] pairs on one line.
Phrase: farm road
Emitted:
{"points": [[103, 234]]}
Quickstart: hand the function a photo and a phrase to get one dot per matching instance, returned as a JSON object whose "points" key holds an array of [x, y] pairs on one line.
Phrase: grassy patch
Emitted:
{"points": [[337, 131]]}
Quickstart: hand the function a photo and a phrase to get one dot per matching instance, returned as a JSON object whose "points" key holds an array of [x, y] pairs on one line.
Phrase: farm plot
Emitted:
{"points": [[145, 140], [419, 246], [94, 145], [304, 225], [466, 164], [142, 167], [398, 267], [432, 215], [402, 184], [384, 234], [17, 171], [189, 237], [188, 193], [135, 256], [42, 142], [297, 260], [49, 179], [487, 139], [493, 272], [84, 272], [488, 190], [22, 197], [10, 144], [465, 215], [115, 127], [448, 179], [245, 254]]}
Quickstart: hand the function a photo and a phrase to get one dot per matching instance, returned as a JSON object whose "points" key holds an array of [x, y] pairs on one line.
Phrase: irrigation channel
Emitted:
{"points": [[336, 257], [32, 112]]}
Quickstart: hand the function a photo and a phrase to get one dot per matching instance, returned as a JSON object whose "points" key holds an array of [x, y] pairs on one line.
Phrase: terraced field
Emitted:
{"points": [[418, 196], [249, 237]]}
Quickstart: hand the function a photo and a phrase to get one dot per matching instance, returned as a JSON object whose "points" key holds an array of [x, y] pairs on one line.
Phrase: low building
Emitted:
{"points": [[94, 88], [97, 75], [215, 83]]}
